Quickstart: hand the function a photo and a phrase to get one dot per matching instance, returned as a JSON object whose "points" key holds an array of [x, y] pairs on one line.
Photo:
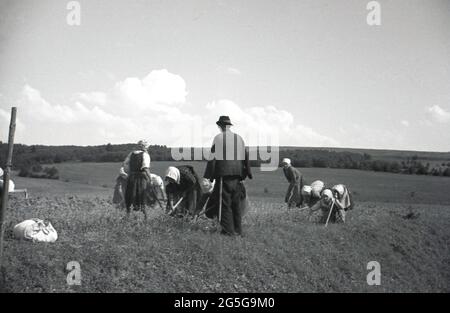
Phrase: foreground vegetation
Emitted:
{"points": [[281, 251]]}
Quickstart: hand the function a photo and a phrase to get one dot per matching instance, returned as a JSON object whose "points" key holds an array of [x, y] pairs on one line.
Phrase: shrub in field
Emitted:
{"points": [[52, 172], [24, 171], [37, 171], [37, 168]]}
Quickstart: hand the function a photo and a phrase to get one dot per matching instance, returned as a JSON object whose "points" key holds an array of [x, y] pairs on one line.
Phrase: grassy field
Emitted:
{"points": [[95, 179], [281, 251]]}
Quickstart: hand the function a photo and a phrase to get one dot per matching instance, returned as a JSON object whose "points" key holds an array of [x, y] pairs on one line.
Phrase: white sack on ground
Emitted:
{"points": [[35, 230]]}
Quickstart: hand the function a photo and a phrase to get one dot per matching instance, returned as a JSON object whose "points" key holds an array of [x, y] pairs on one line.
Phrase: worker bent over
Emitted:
{"points": [[295, 178]]}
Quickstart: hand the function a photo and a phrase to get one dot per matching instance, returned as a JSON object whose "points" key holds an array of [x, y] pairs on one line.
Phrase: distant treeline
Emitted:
{"points": [[28, 159], [364, 161]]}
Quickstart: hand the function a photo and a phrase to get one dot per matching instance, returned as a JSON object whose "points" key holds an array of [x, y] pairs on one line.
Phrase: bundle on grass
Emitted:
{"points": [[35, 230], [11, 186]]}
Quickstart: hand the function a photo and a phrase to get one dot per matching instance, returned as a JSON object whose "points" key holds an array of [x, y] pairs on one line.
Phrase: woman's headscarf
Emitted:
{"points": [[173, 173], [340, 189], [207, 185], [156, 180], [327, 196], [286, 161], [142, 145], [306, 190], [316, 188], [343, 200]]}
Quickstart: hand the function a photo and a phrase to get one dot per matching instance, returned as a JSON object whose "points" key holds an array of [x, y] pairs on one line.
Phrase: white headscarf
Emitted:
{"points": [[286, 161], [156, 180], [207, 185], [316, 188], [306, 190], [143, 145], [173, 173], [343, 200], [327, 193], [340, 189]]}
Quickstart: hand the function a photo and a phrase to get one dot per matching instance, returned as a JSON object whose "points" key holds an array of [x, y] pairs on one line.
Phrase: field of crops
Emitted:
{"points": [[401, 221]]}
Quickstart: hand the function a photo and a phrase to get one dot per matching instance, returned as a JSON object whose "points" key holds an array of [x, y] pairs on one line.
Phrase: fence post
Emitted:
{"points": [[7, 171]]}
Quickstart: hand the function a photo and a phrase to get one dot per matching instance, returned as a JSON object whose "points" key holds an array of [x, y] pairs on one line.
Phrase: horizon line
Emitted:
{"points": [[193, 147]]}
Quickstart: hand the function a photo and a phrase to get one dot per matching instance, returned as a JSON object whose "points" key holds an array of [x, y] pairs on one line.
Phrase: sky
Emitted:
{"points": [[298, 73]]}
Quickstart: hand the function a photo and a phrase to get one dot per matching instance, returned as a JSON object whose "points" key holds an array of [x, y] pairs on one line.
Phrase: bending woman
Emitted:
{"points": [[183, 190], [137, 168]]}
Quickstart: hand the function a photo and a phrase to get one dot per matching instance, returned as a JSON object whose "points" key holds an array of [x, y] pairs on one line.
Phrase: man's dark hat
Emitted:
{"points": [[224, 120]]}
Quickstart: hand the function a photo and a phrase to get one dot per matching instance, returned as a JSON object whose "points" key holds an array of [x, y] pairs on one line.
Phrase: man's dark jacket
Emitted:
{"points": [[229, 157]]}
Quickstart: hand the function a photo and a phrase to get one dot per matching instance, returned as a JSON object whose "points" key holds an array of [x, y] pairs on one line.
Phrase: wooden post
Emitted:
{"points": [[7, 171]]}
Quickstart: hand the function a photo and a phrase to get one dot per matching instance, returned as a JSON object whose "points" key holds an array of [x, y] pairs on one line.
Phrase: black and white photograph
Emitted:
{"points": [[224, 147]]}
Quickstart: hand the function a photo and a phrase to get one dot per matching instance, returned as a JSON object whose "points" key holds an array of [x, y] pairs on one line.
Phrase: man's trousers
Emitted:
{"points": [[233, 200]]}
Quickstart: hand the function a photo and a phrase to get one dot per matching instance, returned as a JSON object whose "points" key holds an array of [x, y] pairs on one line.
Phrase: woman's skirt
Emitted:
{"points": [[119, 192], [138, 192], [191, 200], [296, 199]]}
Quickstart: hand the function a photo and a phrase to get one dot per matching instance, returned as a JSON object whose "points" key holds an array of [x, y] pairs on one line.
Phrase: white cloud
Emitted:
{"points": [[233, 71], [153, 108], [259, 125], [5, 120], [76, 123], [229, 70], [94, 98], [438, 114], [132, 109], [158, 87]]}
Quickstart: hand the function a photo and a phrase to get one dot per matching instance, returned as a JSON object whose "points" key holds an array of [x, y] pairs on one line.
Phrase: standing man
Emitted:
{"points": [[295, 178], [229, 167]]}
